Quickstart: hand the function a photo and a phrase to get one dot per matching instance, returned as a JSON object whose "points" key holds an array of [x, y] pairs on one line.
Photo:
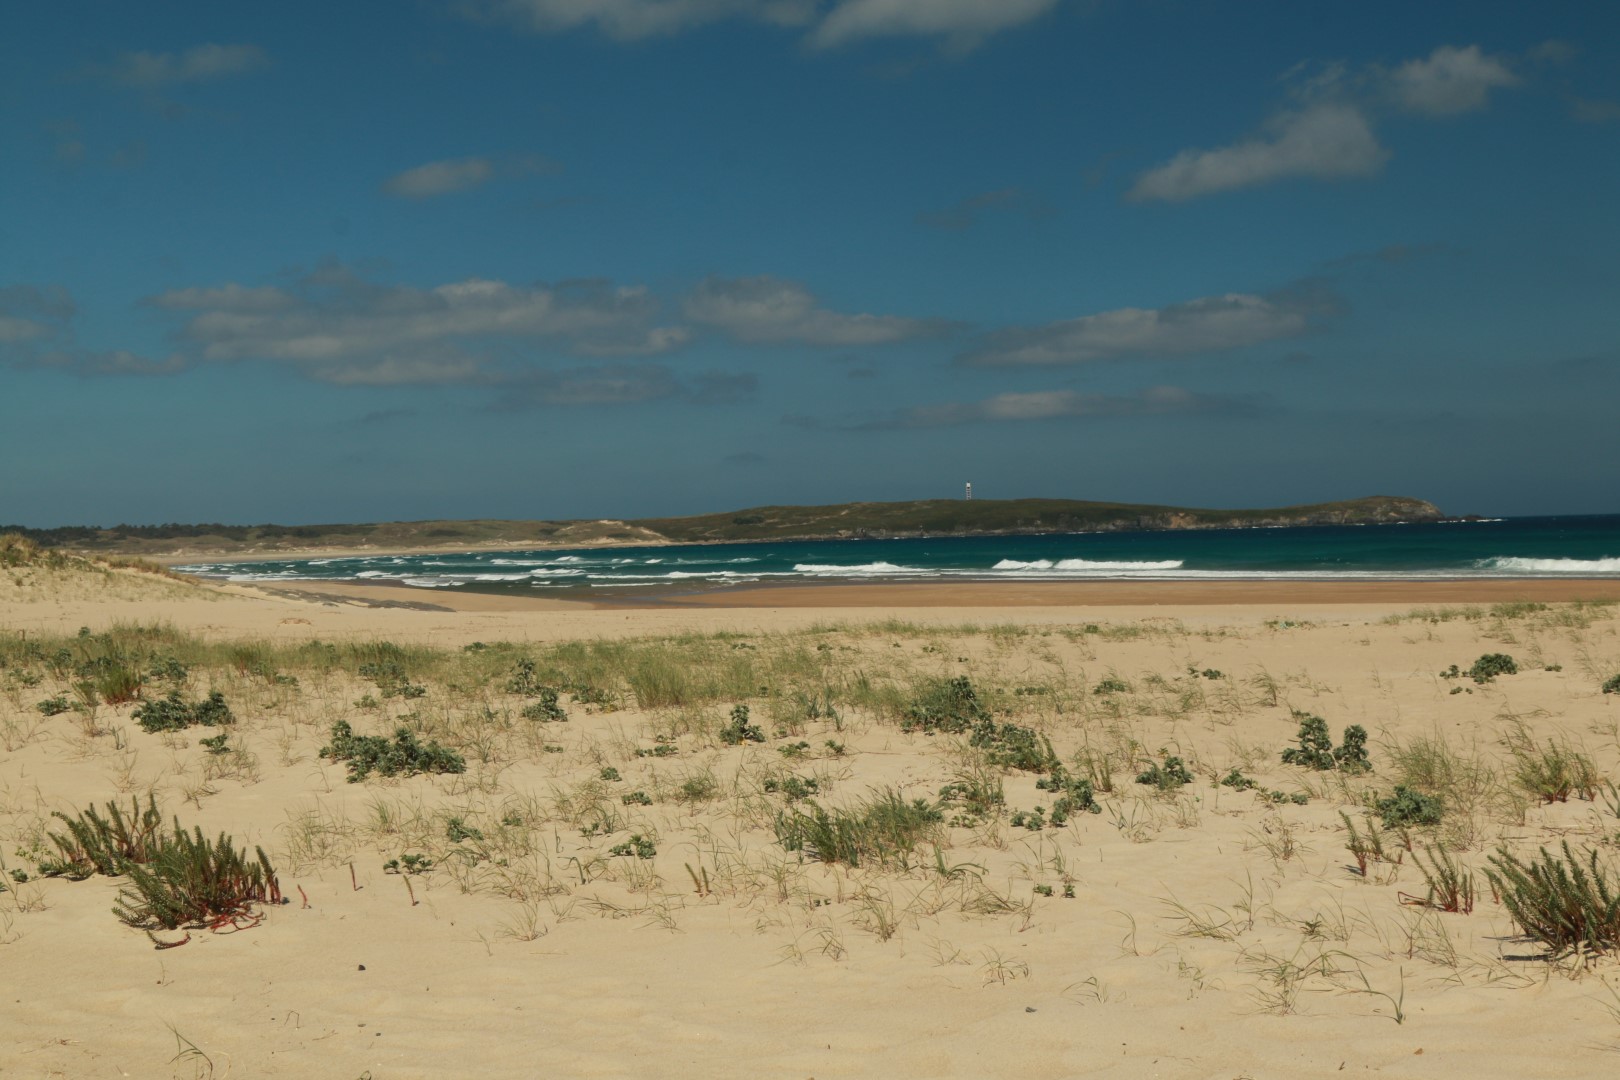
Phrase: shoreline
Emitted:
{"points": [[978, 594]]}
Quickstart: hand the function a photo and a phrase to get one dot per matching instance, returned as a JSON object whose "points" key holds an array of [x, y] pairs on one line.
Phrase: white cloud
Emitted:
{"points": [[1594, 110], [966, 213], [110, 362], [1209, 324], [33, 313], [624, 384], [629, 20], [201, 63], [1323, 141], [1047, 405], [1450, 80], [769, 310], [224, 298], [440, 178], [962, 23], [13, 330], [338, 327]]}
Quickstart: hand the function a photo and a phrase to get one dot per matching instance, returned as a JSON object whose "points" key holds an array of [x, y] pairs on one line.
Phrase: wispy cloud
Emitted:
{"points": [[622, 384], [337, 326], [1324, 141], [201, 63], [959, 24], [1389, 255], [967, 212], [1205, 325], [1449, 80], [451, 175], [1039, 405], [1594, 110], [440, 178], [36, 331], [632, 20], [767, 310], [1329, 134], [85, 362]]}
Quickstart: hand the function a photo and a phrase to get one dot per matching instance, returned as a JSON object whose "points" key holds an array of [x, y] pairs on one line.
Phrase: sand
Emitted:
{"points": [[1211, 933]]}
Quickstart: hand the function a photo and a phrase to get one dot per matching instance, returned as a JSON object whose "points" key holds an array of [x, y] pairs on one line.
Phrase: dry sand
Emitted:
{"points": [[1280, 960]]}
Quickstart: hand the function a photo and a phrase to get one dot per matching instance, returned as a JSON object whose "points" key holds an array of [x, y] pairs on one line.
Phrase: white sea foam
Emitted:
{"points": [[873, 569], [1551, 566], [1086, 565]]}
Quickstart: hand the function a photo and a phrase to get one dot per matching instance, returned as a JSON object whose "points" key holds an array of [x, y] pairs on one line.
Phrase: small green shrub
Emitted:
{"points": [[1033, 820], [794, 787], [1013, 747], [1238, 782], [101, 845], [456, 830], [636, 798], [54, 706], [978, 792], [700, 787], [1571, 905], [1612, 685], [610, 774], [1076, 795], [175, 713], [739, 730], [167, 669], [408, 864], [525, 679], [216, 744], [175, 878], [403, 756], [1316, 749], [1489, 666], [1113, 684], [1407, 807], [944, 705], [1166, 777], [639, 846], [546, 710], [195, 882]]}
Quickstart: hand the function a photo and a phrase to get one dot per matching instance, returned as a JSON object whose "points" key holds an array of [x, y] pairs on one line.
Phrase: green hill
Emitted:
{"points": [[928, 517]]}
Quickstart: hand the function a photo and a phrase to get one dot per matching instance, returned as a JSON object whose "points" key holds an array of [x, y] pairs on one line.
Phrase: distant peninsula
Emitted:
{"points": [[844, 521]]}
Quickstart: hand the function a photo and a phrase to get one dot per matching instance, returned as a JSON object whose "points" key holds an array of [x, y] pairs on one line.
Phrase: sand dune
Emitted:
{"points": [[1211, 931]]}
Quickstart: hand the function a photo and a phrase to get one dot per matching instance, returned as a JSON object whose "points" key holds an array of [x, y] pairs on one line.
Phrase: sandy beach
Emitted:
{"points": [[1184, 929]]}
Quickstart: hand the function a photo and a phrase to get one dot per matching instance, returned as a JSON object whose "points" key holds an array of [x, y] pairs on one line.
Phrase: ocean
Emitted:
{"points": [[1550, 547]]}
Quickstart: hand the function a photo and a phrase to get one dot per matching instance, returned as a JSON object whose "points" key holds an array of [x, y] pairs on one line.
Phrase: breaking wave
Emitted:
{"points": [[1086, 565], [1513, 564]]}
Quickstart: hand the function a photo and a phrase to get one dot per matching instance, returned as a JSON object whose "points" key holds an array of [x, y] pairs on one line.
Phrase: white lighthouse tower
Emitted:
{"points": [[970, 491]]}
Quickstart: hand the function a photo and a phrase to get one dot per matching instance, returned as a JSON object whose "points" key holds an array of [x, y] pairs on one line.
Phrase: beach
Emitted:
{"points": [[1184, 929]]}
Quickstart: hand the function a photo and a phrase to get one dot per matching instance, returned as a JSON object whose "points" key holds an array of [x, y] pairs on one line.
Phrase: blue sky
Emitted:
{"points": [[581, 258]]}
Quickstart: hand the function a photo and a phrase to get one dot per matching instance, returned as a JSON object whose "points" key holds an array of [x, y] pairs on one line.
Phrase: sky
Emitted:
{"points": [[623, 258]]}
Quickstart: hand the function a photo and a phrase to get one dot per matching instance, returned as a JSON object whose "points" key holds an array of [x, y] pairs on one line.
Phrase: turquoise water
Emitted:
{"points": [[1512, 547]]}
